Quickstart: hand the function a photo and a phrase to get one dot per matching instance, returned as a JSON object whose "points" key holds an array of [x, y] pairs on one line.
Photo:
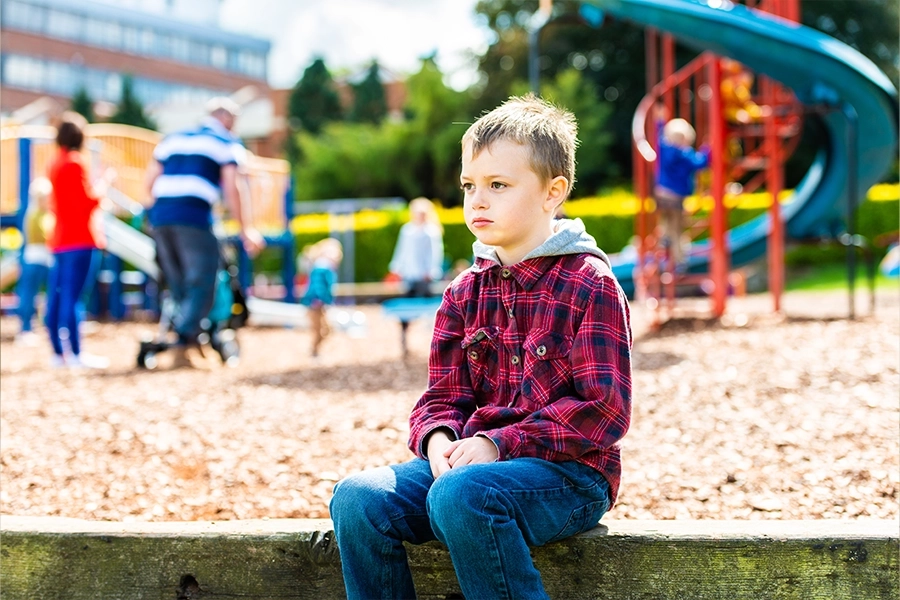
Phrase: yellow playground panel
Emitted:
{"points": [[129, 150]]}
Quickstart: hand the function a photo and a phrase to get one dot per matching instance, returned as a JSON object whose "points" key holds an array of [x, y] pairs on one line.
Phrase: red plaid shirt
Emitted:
{"points": [[535, 356]]}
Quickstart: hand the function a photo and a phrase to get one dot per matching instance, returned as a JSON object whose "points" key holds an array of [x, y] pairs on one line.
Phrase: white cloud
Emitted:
{"points": [[348, 34]]}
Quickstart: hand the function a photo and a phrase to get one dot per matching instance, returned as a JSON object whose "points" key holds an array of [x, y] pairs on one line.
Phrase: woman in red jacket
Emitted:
{"points": [[72, 243]]}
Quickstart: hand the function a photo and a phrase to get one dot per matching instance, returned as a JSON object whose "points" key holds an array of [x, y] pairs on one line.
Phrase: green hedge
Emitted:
{"points": [[374, 246]]}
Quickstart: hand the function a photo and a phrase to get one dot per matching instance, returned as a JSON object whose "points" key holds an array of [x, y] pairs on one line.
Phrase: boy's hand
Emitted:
{"points": [[438, 442], [470, 451]]}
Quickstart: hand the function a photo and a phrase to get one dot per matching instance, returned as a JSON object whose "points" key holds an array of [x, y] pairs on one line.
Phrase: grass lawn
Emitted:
{"points": [[833, 276]]}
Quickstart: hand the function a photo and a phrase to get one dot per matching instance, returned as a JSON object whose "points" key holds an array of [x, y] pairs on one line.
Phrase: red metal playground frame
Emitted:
{"points": [[694, 93]]}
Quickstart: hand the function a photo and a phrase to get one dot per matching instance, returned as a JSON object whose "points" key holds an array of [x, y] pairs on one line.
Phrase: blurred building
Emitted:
{"points": [[174, 50]]}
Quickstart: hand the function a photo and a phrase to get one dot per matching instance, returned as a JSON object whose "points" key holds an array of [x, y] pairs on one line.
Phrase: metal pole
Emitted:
{"points": [[718, 252], [535, 25], [852, 197], [775, 183], [533, 59]]}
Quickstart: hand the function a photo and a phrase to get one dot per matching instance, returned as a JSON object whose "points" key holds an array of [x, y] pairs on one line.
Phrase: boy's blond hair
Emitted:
{"points": [[39, 192], [550, 132], [426, 207], [679, 133], [329, 248]]}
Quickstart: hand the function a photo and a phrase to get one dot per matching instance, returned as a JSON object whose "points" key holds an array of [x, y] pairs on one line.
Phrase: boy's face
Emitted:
{"points": [[506, 204]]}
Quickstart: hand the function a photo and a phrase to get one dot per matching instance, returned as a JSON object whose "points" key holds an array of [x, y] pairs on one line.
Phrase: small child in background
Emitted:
{"points": [[678, 163], [36, 256], [322, 260], [737, 95], [419, 254]]}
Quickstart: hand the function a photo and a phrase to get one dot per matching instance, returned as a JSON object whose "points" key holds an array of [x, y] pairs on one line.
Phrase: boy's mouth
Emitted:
{"points": [[481, 222]]}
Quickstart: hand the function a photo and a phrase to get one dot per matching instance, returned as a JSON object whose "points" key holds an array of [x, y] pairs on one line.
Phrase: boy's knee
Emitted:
{"points": [[357, 497], [348, 493], [457, 500]]}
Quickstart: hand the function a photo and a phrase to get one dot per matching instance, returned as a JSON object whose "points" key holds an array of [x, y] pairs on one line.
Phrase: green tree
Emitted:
{"points": [[129, 110], [83, 104], [870, 26], [314, 100], [594, 169], [352, 160], [435, 115], [369, 101], [313, 103]]}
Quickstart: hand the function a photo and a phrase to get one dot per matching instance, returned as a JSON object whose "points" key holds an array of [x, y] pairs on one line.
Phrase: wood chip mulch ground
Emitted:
{"points": [[756, 416]]}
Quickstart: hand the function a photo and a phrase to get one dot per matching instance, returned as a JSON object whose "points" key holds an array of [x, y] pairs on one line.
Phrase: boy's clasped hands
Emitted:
{"points": [[445, 453]]}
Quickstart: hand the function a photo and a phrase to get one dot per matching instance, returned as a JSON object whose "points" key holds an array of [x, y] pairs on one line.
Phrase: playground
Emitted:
{"points": [[754, 416]]}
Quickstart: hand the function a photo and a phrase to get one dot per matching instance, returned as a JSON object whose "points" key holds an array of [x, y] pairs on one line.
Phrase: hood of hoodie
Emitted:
{"points": [[569, 237]]}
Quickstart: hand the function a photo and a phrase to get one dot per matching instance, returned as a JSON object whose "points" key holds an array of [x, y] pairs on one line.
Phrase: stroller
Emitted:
{"points": [[228, 313]]}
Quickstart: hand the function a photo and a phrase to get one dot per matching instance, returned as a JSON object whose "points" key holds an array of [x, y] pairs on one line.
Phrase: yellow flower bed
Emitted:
{"points": [[619, 202]]}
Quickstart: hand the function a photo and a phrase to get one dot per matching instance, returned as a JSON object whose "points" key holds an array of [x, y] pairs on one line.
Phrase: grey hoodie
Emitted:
{"points": [[569, 237]]}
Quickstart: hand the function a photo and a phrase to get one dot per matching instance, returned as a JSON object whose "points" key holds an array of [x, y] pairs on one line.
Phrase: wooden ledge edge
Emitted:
{"points": [[700, 529]]}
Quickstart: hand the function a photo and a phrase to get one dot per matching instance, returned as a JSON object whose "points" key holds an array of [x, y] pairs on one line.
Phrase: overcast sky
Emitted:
{"points": [[348, 34]]}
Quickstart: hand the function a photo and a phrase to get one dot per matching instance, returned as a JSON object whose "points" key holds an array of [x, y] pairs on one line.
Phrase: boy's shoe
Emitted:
{"points": [[87, 361]]}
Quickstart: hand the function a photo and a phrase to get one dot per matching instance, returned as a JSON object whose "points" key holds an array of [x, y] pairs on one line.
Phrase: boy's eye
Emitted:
{"points": [[496, 185], [467, 187]]}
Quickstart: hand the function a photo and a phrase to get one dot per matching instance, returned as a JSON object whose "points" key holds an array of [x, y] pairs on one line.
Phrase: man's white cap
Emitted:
{"points": [[223, 103]]}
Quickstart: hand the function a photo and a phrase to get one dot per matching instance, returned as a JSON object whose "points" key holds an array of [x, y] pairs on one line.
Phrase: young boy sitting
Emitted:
{"points": [[529, 383]]}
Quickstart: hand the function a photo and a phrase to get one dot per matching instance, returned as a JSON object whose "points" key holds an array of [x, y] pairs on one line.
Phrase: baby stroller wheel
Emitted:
{"points": [[147, 360]]}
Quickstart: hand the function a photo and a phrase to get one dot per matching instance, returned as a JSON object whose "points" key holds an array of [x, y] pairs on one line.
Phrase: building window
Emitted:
{"points": [[55, 77], [21, 15], [181, 49], [112, 35], [218, 57], [23, 72], [130, 40], [68, 24], [95, 32], [63, 24], [251, 63], [147, 41]]}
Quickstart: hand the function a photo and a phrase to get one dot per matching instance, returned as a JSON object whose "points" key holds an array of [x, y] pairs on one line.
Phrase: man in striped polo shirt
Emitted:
{"points": [[191, 170]]}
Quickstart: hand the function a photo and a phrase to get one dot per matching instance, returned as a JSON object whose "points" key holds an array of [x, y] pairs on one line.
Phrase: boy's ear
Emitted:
{"points": [[556, 193]]}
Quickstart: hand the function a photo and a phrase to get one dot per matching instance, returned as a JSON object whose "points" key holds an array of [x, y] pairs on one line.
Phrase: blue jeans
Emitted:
{"points": [[34, 277], [189, 258], [67, 279], [487, 514]]}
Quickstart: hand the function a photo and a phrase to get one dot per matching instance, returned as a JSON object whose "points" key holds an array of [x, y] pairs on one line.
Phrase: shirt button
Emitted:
{"points": [[505, 273], [515, 360], [541, 350], [473, 355], [510, 313]]}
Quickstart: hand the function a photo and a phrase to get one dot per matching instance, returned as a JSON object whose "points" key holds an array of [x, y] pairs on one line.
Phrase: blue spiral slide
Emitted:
{"points": [[857, 101]]}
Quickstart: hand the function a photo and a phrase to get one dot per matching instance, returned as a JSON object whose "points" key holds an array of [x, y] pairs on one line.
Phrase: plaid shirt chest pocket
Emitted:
{"points": [[547, 370], [482, 355]]}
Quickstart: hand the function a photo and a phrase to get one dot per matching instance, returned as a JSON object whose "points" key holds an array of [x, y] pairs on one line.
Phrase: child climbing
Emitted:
{"points": [[678, 163]]}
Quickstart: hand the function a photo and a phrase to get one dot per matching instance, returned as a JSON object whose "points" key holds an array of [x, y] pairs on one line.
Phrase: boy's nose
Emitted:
{"points": [[477, 199]]}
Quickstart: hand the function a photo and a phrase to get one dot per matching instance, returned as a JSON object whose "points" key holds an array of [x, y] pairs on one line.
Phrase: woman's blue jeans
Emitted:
{"points": [[67, 279], [487, 515]]}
